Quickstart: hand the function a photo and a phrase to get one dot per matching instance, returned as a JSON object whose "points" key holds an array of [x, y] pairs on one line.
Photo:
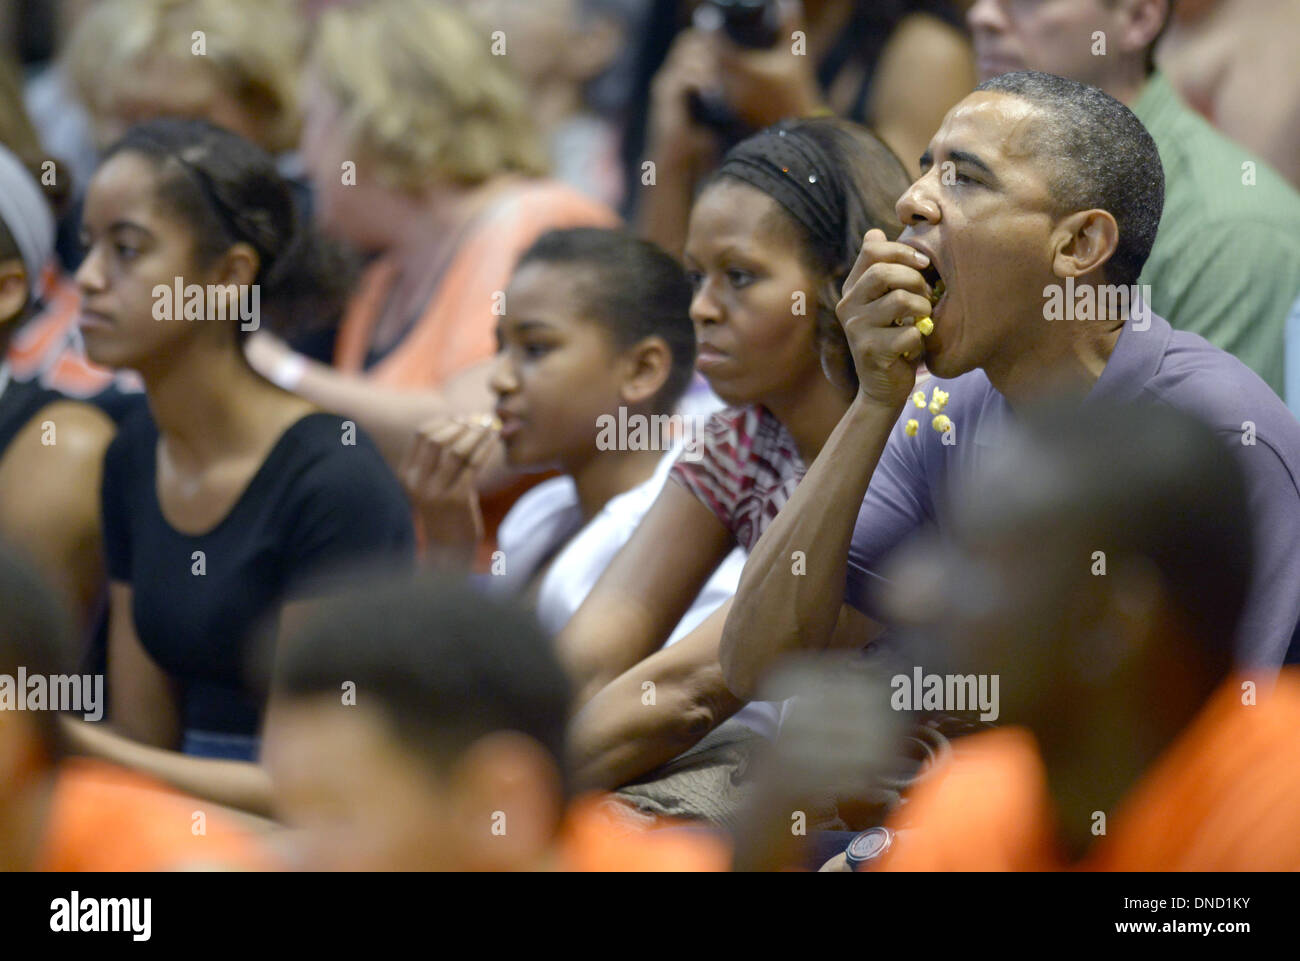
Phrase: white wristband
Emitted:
{"points": [[288, 371]]}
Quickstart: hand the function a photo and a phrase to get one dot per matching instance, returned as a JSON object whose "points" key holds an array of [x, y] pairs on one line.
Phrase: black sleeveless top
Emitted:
{"points": [[19, 403], [203, 602]]}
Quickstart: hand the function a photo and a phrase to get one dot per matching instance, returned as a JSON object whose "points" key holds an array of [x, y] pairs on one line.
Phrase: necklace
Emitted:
{"points": [[187, 486]]}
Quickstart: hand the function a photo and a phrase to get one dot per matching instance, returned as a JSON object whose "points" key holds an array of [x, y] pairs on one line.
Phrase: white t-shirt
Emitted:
{"points": [[548, 515]]}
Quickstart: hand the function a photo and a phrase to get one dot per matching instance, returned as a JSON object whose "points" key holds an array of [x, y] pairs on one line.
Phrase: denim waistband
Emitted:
{"points": [[215, 744]]}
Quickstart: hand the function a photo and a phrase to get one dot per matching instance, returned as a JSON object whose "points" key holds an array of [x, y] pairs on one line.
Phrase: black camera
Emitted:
{"points": [[754, 24]]}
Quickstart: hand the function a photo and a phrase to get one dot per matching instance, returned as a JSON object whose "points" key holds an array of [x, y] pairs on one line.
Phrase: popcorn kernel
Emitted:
{"points": [[941, 423], [911, 427], [926, 326], [919, 399]]}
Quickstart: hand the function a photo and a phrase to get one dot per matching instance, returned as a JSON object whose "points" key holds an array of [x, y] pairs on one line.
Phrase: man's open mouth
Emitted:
{"points": [[938, 289]]}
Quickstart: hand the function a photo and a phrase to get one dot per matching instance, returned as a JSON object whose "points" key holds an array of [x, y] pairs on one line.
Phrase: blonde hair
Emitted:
{"points": [[422, 96], [253, 51]]}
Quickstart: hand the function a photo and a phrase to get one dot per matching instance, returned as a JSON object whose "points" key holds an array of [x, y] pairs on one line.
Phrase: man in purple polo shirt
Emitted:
{"points": [[1038, 205]]}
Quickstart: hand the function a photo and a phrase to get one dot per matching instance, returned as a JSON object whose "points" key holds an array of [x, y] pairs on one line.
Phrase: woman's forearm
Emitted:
{"points": [[236, 784], [665, 211], [390, 417], [652, 712]]}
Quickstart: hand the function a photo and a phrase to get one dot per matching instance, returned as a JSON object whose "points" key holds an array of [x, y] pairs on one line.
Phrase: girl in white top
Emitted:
{"points": [[596, 347]]}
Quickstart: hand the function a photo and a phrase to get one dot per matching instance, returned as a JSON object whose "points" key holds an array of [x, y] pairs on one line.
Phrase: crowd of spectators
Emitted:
{"points": [[597, 435]]}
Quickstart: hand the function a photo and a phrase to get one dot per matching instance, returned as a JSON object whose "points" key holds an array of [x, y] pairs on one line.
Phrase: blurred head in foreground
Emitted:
{"points": [[416, 725], [35, 640], [60, 812], [1099, 567]]}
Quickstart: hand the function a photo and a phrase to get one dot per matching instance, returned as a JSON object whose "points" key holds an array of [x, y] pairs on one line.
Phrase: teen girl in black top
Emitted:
{"points": [[224, 497]]}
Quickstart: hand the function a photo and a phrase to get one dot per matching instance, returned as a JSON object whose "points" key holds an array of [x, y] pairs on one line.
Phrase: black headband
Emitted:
{"points": [[795, 172]]}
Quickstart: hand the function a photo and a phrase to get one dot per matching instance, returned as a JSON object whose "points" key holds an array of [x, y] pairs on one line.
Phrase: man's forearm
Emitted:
{"points": [[781, 606]]}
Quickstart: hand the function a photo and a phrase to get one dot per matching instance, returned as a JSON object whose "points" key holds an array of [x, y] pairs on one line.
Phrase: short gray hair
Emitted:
{"points": [[1102, 157]]}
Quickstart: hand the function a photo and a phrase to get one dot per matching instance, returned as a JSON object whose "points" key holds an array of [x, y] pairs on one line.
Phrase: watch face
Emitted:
{"points": [[869, 844]]}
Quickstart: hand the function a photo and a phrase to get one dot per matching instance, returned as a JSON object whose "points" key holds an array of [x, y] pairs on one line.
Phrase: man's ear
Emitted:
{"points": [[13, 289], [1142, 24], [507, 802], [644, 369], [1083, 242]]}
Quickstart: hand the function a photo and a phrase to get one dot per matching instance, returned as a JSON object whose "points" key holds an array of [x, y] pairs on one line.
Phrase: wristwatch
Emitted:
{"points": [[868, 847]]}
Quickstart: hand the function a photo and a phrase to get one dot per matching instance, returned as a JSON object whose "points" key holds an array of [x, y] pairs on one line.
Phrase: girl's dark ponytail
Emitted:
{"points": [[308, 284]]}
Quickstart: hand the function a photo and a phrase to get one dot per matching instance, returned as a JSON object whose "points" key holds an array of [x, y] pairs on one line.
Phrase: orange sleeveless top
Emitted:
{"points": [[1221, 798], [458, 327], [107, 818]]}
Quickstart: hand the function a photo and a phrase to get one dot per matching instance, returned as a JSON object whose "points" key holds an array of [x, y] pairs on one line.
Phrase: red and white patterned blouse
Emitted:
{"points": [[747, 468]]}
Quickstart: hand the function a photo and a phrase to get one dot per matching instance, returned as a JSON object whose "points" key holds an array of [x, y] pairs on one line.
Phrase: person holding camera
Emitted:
{"points": [[745, 64]]}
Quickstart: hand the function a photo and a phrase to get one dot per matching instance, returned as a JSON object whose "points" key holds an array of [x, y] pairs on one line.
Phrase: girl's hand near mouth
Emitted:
{"points": [[440, 474]]}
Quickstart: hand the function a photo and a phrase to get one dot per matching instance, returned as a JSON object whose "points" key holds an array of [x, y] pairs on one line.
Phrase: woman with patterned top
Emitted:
{"points": [[771, 239]]}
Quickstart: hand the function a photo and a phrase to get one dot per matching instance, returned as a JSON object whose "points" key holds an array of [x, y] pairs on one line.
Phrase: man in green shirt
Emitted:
{"points": [[1226, 260]]}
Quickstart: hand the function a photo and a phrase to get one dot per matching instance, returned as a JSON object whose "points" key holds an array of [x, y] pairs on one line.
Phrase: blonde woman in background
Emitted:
{"points": [[234, 63], [423, 154], [129, 61]]}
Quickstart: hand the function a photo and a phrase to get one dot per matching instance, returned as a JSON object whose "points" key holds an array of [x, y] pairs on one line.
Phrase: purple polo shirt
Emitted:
{"points": [[1157, 364]]}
